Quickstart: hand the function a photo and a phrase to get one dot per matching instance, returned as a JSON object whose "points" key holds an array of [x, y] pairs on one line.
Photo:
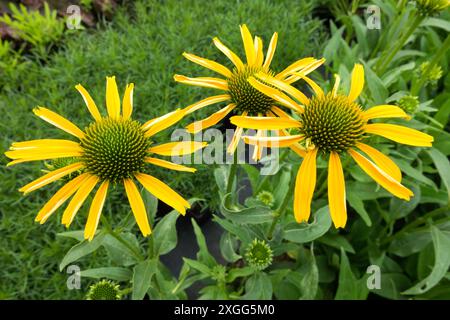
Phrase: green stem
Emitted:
{"points": [[282, 208], [437, 57], [232, 173], [383, 63]]}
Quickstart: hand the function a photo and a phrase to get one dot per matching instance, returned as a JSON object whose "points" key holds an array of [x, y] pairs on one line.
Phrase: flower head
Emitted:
{"points": [[431, 7], [114, 149], [241, 96], [334, 125], [409, 104], [266, 197], [104, 290], [431, 76], [259, 254]]}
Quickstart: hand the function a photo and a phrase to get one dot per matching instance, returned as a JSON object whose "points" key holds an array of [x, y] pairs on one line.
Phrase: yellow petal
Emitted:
{"points": [[385, 111], [206, 102], [137, 206], [235, 140], [60, 197], [127, 104], [31, 158], [294, 147], [51, 177], [267, 123], [161, 123], [382, 161], [206, 82], [90, 104], [43, 150], [305, 70], [78, 199], [400, 134], [163, 192], [41, 154], [273, 142], [211, 120], [304, 186], [230, 54], [48, 143], [337, 81], [275, 94], [258, 51], [317, 90], [336, 191], [295, 93], [257, 150], [212, 65], [357, 82], [248, 45], [58, 121], [95, 211], [271, 50], [177, 148], [296, 66], [112, 97], [383, 179], [277, 111], [169, 165]]}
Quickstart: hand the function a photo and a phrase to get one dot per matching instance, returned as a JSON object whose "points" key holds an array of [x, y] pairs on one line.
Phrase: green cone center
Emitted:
{"points": [[244, 95], [333, 123], [114, 149]]}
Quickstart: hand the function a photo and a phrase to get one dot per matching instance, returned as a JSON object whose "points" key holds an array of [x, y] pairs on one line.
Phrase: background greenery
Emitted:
{"points": [[143, 44]]}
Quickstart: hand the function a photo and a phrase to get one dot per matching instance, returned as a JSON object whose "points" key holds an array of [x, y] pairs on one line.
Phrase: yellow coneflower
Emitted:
{"points": [[333, 125], [112, 149], [240, 95]]}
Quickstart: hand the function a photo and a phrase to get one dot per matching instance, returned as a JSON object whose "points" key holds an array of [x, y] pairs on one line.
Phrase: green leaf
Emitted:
{"points": [[350, 288], [120, 253], [436, 22], [197, 265], [410, 243], [443, 167], [151, 204], [414, 173], [235, 273], [142, 277], [82, 249], [306, 232], [239, 231], [258, 287], [441, 243], [113, 273], [309, 283], [165, 234], [356, 203], [253, 175], [337, 241], [203, 254], [376, 87], [391, 284], [77, 235], [228, 247], [255, 215], [399, 208]]}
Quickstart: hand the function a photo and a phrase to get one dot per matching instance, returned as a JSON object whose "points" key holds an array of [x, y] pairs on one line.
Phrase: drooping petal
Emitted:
{"points": [[273, 142], [304, 186], [58, 121], [382, 161], [163, 122], [51, 177], [230, 54], [271, 50], [385, 111], [95, 211], [177, 148], [90, 104], [209, 64], [112, 97], [206, 82], [127, 104], [267, 123], [60, 197], [314, 86], [357, 83], [294, 147], [304, 70], [297, 65], [295, 93], [248, 45], [137, 206], [78, 199], [169, 165], [163, 192], [276, 95], [336, 191], [400, 134], [211, 120], [206, 102], [383, 179]]}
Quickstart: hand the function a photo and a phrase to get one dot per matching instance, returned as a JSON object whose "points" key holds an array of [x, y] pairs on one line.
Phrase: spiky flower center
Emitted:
{"points": [[244, 95], [104, 290], [333, 123], [114, 149], [259, 254]]}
